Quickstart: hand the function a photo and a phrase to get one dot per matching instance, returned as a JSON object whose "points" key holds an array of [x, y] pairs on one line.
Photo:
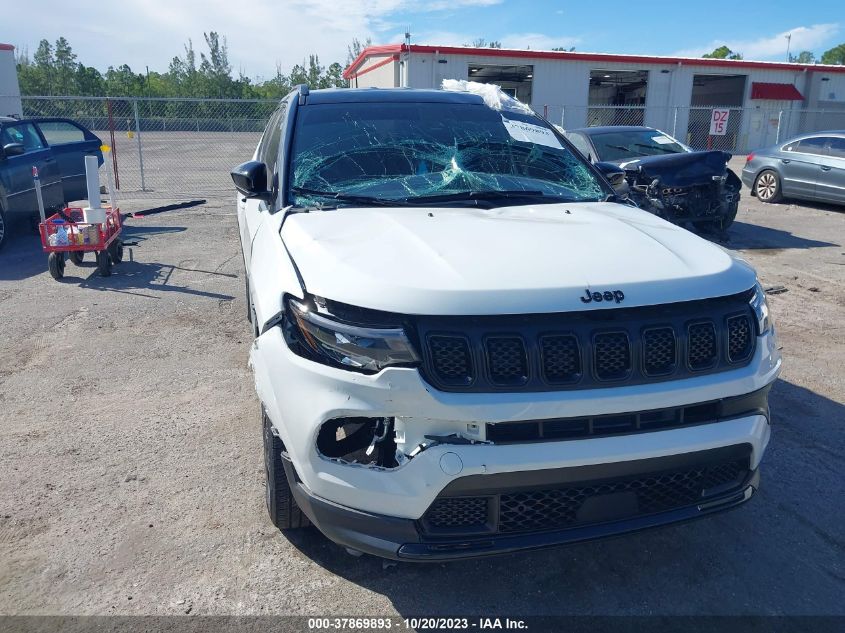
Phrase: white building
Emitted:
{"points": [[10, 93], [768, 100]]}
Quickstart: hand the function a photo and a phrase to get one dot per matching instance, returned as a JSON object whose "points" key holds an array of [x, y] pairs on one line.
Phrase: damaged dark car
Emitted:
{"points": [[664, 176]]}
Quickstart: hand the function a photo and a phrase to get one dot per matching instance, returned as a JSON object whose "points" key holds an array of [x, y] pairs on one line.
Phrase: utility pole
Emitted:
{"points": [[788, 42]]}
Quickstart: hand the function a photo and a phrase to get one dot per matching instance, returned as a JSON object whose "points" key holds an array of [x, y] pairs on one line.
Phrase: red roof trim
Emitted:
{"points": [[591, 57], [777, 92], [383, 62], [6, 47]]}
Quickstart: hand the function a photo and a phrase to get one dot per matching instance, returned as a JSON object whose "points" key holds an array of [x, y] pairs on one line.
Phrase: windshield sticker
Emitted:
{"points": [[662, 140], [530, 133]]}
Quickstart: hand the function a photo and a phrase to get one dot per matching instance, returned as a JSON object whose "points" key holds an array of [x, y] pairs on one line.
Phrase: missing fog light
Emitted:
{"points": [[363, 441]]}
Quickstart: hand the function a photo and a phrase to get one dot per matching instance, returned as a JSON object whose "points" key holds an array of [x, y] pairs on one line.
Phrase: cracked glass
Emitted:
{"points": [[351, 153]]}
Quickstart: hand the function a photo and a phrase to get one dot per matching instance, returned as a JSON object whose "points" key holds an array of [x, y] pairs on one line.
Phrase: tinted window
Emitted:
{"points": [[404, 150], [837, 147], [269, 151], [60, 132], [631, 144], [813, 145], [581, 144], [23, 133]]}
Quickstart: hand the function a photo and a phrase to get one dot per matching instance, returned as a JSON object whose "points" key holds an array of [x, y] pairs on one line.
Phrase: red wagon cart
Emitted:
{"points": [[66, 234]]}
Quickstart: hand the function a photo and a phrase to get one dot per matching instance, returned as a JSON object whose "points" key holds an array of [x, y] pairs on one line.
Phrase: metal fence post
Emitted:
{"points": [[675, 123], [777, 132], [138, 136]]}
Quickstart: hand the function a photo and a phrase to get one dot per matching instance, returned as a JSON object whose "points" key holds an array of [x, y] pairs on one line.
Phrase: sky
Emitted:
{"points": [[263, 33]]}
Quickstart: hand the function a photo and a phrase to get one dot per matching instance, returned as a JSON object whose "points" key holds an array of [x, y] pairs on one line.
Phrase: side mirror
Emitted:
{"points": [[615, 175], [250, 179], [13, 149]]}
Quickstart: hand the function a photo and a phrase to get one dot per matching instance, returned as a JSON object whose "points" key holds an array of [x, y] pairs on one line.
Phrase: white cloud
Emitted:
{"points": [[538, 41], [260, 34], [803, 38]]}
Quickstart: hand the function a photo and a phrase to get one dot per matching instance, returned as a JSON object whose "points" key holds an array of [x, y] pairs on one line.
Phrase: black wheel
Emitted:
{"points": [[284, 513], [103, 263], [56, 265], [767, 186], [3, 227], [77, 257], [116, 251]]}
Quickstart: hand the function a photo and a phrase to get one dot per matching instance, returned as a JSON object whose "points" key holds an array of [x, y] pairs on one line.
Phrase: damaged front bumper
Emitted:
{"points": [[405, 539], [300, 396], [695, 187]]}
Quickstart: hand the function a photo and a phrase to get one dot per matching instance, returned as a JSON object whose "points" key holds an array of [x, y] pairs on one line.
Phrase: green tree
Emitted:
{"points": [[354, 49], [835, 55], [723, 52], [65, 68], [804, 57]]}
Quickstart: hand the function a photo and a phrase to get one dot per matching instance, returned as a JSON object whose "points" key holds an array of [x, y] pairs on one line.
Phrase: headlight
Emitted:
{"points": [[761, 309], [367, 349]]}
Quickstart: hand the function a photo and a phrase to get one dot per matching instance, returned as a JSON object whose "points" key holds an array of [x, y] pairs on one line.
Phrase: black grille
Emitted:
{"points": [[753, 403], [740, 339], [579, 504], [659, 351], [702, 352], [561, 360], [612, 355], [452, 361], [508, 364], [457, 512], [586, 350]]}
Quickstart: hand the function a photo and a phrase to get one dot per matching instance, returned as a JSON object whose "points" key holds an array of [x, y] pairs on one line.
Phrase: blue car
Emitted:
{"points": [[57, 147]]}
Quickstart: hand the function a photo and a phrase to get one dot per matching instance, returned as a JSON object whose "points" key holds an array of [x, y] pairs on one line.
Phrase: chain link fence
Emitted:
{"points": [[172, 148], [184, 148]]}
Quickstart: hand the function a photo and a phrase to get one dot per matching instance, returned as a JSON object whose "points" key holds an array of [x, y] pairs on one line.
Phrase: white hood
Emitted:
{"points": [[510, 260]]}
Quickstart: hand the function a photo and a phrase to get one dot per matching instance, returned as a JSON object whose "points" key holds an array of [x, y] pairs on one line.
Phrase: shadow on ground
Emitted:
{"points": [[786, 531], [752, 237], [23, 257]]}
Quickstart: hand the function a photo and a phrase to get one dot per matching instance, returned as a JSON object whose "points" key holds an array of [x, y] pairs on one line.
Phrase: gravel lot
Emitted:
{"points": [[132, 476]]}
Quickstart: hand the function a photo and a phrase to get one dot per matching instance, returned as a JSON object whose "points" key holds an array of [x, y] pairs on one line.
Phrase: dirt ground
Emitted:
{"points": [[131, 477]]}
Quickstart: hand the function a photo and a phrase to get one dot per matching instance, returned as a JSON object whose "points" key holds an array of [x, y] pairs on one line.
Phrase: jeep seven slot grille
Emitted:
{"points": [[582, 350]]}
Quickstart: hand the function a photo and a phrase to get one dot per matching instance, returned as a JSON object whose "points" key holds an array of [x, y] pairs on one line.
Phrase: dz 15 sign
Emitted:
{"points": [[719, 122]]}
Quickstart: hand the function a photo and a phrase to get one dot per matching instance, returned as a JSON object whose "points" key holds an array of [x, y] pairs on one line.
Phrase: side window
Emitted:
{"points": [[23, 133], [581, 145], [791, 147], [269, 151], [813, 145], [61, 132], [837, 147]]}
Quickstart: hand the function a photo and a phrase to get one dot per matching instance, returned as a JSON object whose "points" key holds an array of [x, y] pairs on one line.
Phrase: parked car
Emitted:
{"points": [[665, 176], [57, 147], [808, 167], [464, 345]]}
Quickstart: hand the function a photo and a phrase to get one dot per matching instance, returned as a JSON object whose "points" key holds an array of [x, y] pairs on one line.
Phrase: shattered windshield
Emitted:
{"points": [[378, 153], [627, 144]]}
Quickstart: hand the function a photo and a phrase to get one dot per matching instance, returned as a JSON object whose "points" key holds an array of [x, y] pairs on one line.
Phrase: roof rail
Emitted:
{"points": [[303, 91]]}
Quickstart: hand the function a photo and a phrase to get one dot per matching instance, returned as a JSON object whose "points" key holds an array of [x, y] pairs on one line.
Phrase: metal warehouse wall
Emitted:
{"points": [[10, 100]]}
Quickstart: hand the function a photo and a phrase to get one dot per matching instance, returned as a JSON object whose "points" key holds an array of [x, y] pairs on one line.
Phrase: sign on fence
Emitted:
{"points": [[719, 122]]}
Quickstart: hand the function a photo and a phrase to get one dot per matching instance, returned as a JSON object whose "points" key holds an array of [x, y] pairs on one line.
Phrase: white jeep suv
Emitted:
{"points": [[464, 345]]}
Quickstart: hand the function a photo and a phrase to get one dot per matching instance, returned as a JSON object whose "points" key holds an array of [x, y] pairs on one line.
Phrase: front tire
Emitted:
{"points": [[767, 186], [104, 263], [284, 513]]}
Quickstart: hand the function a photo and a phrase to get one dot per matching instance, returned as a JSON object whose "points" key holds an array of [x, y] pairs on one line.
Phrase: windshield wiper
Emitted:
{"points": [[662, 149], [628, 149], [475, 195], [339, 196]]}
